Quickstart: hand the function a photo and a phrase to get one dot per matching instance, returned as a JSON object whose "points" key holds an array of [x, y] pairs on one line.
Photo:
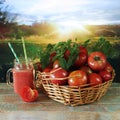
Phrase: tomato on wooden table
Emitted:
{"points": [[28, 95], [77, 78], [97, 61]]}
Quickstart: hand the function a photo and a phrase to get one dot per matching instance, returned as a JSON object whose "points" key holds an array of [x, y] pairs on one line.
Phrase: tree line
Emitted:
{"points": [[9, 28]]}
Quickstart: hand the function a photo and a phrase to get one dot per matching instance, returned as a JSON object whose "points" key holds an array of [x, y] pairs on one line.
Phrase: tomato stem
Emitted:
{"points": [[97, 58]]}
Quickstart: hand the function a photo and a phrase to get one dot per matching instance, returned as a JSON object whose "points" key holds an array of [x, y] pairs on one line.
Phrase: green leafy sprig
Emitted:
{"points": [[60, 49], [104, 46], [45, 55]]}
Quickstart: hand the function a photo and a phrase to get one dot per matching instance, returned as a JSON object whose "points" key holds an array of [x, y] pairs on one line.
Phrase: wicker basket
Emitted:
{"points": [[38, 83], [73, 95]]}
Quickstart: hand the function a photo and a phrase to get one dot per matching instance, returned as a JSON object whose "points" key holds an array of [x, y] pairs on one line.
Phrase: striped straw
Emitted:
{"points": [[13, 52], [24, 49]]}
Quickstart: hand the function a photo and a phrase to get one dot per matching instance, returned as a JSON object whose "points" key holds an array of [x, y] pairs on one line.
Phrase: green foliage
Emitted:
{"points": [[42, 28], [32, 50], [17, 33], [44, 53], [60, 49], [104, 46], [86, 43]]}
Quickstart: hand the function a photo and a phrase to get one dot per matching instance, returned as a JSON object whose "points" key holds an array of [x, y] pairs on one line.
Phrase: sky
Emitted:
{"points": [[67, 12]]}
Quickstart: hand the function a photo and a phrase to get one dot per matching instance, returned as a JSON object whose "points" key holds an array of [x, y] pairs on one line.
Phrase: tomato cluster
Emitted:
{"points": [[88, 68]]}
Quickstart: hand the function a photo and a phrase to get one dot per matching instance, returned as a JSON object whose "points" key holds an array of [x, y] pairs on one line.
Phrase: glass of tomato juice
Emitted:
{"points": [[23, 75]]}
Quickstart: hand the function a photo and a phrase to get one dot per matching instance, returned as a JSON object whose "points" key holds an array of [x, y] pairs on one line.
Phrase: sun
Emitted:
{"points": [[67, 27]]}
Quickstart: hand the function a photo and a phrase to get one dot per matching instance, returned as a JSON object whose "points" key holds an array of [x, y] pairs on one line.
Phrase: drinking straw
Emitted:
{"points": [[24, 49], [13, 52]]}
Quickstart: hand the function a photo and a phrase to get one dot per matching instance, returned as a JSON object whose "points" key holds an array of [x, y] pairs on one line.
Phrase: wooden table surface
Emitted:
{"points": [[13, 108]]}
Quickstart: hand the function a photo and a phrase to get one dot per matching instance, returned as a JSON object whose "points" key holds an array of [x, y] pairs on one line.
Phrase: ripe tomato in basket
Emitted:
{"points": [[94, 79], [67, 54], [86, 69], [108, 67], [56, 64], [47, 69], [81, 59], [52, 55], [83, 50], [105, 75], [97, 61], [57, 76], [38, 66], [77, 78]]}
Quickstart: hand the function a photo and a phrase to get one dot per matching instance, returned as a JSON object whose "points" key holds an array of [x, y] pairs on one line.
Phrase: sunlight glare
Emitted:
{"points": [[70, 26]]}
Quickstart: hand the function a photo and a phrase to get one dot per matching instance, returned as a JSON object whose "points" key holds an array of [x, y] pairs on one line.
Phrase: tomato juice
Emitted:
{"points": [[21, 78]]}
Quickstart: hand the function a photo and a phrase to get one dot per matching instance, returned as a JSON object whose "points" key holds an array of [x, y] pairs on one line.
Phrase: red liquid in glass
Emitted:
{"points": [[22, 78]]}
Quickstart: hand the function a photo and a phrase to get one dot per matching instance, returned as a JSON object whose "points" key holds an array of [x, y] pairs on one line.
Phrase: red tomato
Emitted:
{"points": [[47, 69], [83, 50], [66, 54], [105, 75], [52, 55], [29, 95], [58, 73], [77, 78], [38, 66], [86, 69], [94, 79], [82, 57], [108, 67], [81, 60], [56, 64], [97, 61]]}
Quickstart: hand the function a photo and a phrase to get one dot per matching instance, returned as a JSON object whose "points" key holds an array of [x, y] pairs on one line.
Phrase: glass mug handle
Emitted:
{"points": [[8, 77]]}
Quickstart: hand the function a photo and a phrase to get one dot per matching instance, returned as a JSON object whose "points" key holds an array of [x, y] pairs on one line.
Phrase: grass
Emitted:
{"points": [[35, 39]]}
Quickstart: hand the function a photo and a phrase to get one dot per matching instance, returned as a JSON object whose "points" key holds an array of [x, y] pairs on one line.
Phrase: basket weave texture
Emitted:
{"points": [[73, 95]]}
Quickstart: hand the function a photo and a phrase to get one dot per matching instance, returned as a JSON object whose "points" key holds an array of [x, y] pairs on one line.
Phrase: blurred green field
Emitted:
{"points": [[33, 44]]}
